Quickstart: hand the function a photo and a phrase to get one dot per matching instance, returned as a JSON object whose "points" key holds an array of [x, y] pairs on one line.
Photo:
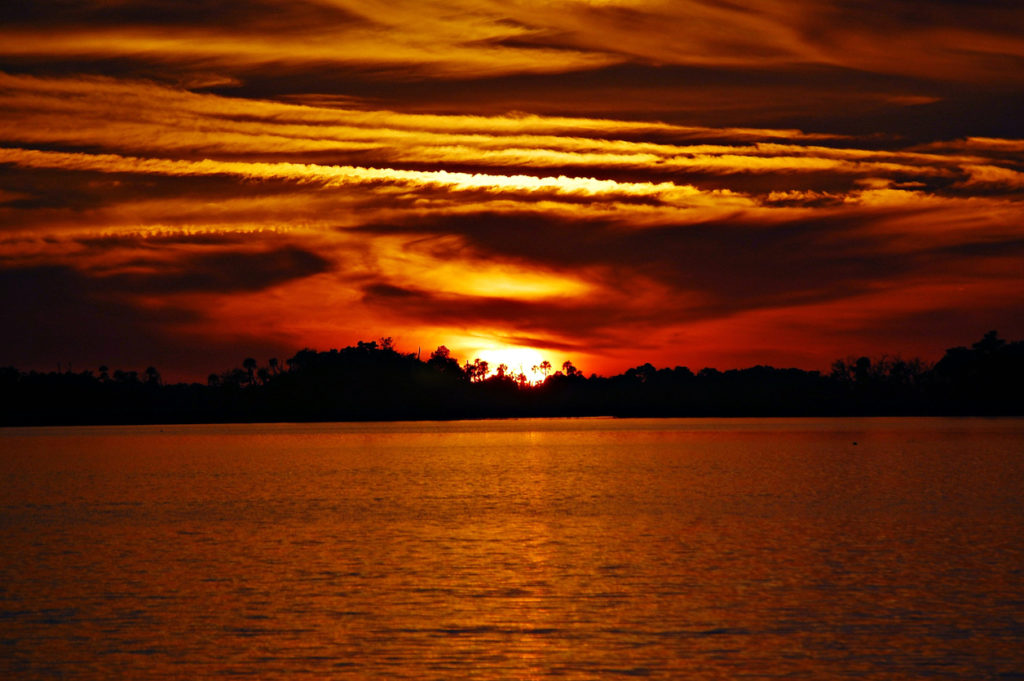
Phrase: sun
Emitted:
{"points": [[519, 360]]}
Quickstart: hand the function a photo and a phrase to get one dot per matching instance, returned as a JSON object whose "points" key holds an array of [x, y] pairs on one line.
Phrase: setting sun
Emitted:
{"points": [[525, 361]]}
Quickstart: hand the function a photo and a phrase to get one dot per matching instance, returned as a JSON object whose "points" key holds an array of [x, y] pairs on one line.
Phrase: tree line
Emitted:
{"points": [[373, 381]]}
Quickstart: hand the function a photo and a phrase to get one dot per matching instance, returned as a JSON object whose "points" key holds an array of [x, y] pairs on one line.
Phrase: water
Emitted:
{"points": [[569, 549]]}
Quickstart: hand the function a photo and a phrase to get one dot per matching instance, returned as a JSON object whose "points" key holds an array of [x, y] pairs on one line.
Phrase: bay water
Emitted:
{"points": [[515, 549]]}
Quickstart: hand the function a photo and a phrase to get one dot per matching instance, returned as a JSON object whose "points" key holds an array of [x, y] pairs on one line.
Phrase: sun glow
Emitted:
{"points": [[518, 360]]}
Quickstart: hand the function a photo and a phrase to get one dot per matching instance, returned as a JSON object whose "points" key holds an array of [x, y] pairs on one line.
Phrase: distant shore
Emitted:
{"points": [[373, 382]]}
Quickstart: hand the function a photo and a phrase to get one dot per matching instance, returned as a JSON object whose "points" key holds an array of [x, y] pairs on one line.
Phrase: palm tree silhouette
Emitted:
{"points": [[249, 364]]}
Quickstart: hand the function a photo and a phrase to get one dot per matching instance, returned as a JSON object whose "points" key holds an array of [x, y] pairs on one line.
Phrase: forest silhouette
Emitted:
{"points": [[374, 381]]}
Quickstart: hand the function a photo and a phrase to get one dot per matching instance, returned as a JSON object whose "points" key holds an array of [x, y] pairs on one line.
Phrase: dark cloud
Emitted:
{"points": [[1010, 246], [715, 268], [222, 272], [195, 14], [79, 190], [862, 16], [817, 98], [563, 318], [170, 238], [822, 97], [926, 333], [747, 78], [186, 71], [56, 314], [378, 292], [961, 324]]}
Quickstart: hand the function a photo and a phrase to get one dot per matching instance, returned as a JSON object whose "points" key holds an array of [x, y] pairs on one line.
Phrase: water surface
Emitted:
{"points": [[570, 549]]}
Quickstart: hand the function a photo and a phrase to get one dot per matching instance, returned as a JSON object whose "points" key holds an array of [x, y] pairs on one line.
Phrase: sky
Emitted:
{"points": [[186, 183]]}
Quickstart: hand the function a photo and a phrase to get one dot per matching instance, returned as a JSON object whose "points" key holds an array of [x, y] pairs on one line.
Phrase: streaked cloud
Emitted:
{"points": [[688, 182]]}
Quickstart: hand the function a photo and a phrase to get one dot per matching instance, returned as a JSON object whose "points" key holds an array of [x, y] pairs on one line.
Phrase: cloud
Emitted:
{"points": [[251, 15], [555, 324], [455, 181], [222, 272], [757, 61], [300, 34], [54, 313], [569, 231], [156, 129], [697, 175], [58, 314], [718, 268]]}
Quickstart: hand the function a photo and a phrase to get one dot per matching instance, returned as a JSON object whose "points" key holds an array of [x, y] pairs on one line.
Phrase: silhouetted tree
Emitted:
{"points": [[990, 344], [442, 361], [372, 380], [234, 378], [126, 377], [476, 371], [641, 374], [249, 364]]}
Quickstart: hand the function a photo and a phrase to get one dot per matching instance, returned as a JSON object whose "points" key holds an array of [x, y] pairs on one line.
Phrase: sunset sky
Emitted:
{"points": [[186, 183]]}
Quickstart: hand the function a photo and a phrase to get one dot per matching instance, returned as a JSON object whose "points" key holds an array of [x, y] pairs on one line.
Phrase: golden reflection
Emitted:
{"points": [[517, 549]]}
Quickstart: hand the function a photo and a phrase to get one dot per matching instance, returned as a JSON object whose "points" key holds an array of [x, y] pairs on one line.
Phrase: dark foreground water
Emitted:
{"points": [[569, 549]]}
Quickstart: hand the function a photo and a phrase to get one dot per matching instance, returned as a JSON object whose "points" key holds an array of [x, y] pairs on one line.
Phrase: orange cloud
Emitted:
{"points": [[690, 182]]}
